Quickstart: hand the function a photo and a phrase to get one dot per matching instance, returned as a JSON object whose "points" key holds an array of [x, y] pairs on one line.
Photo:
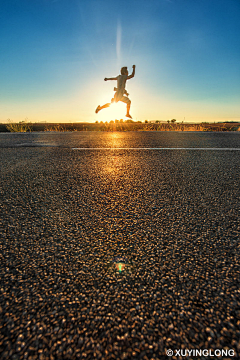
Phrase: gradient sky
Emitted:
{"points": [[55, 54]]}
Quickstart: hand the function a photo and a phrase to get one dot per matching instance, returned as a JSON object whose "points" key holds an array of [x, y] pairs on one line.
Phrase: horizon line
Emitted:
{"points": [[142, 148]]}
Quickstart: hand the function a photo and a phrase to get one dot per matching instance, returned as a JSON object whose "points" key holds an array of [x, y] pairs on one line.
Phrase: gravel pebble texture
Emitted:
{"points": [[67, 215]]}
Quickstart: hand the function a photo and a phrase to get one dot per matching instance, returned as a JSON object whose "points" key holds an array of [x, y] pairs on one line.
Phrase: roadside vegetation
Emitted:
{"points": [[119, 125], [22, 126]]}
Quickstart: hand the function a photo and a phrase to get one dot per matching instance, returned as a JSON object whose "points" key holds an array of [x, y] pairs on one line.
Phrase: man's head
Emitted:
{"points": [[124, 71]]}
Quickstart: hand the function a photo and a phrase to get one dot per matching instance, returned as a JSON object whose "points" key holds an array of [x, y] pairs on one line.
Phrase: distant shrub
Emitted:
{"points": [[22, 126]]}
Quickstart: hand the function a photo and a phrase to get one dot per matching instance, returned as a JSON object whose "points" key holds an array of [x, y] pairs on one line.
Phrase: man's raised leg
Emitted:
{"points": [[102, 107]]}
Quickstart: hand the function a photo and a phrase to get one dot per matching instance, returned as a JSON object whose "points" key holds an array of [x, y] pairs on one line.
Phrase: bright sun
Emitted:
{"points": [[115, 111]]}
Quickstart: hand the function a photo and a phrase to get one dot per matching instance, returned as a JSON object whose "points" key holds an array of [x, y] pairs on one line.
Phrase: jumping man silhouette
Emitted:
{"points": [[120, 90]]}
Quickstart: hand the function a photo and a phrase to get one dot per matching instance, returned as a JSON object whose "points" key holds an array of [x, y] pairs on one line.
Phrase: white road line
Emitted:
{"points": [[207, 149]]}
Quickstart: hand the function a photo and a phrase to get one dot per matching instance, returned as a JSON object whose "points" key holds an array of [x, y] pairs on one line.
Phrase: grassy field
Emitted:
{"points": [[119, 125]]}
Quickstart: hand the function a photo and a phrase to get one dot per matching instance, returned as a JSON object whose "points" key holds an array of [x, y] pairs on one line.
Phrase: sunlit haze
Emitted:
{"points": [[55, 55]]}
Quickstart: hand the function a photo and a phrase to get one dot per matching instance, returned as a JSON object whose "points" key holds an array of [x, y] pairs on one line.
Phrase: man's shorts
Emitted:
{"points": [[120, 97]]}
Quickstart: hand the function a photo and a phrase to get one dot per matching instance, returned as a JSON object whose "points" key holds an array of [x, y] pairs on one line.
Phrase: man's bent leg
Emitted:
{"points": [[127, 101], [128, 107]]}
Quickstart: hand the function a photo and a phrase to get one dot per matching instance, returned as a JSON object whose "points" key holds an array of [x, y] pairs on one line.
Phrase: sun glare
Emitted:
{"points": [[120, 266], [115, 111]]}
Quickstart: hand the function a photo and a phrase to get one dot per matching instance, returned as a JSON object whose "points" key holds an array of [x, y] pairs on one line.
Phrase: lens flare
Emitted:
{"points": [[120, 263], [120, 266]]}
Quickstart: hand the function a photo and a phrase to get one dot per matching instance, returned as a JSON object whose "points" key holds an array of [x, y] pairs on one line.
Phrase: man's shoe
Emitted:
{"points": [[98, 109], [129, 116]]}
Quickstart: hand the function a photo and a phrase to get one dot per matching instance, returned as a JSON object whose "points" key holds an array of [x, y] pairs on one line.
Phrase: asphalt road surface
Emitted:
{"points": [[119, 254]]}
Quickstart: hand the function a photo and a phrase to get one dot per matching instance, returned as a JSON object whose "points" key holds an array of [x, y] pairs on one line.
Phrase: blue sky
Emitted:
{"points": [[56, 53]]}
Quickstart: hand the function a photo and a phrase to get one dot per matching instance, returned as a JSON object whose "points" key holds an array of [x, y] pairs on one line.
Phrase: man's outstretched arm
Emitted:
{"points": [[133, 73], [106, 79]]}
